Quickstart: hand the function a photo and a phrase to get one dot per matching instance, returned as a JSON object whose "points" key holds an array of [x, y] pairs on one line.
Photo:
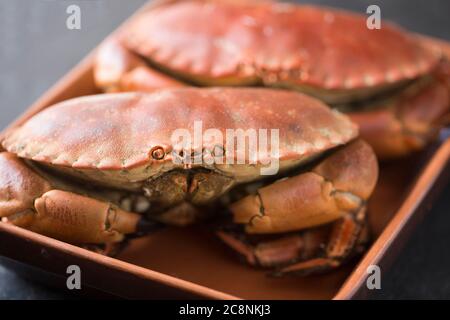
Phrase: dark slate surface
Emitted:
{"points": [[36, 49]]}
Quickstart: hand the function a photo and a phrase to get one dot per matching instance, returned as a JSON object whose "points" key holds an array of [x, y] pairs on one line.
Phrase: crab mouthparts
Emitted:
{"points": [[198, 187]]}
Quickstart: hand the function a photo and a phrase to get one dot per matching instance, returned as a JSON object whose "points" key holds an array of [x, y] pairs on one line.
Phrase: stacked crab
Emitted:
{"points": [[97, 170]]}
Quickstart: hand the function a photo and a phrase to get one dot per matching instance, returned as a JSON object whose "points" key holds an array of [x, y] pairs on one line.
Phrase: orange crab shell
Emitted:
{"points": [[325, 51], [122, 131]]}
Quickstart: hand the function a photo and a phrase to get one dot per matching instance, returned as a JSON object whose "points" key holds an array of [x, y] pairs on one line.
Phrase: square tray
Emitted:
{"points": [[192, 263]]}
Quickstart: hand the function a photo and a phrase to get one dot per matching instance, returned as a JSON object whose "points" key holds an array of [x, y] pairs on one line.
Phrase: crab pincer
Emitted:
{"points": [[33, 201]]}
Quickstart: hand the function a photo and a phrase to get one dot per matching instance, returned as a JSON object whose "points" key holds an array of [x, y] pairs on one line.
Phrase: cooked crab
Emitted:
{"points": [[86, 170], [391, 83]]}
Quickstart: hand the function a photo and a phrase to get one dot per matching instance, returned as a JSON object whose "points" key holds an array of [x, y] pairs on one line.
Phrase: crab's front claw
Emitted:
{"points": [[19, 186], [146, 79], [112, 62], [335, 191], [29, 201], [408, 123], [118, 69], [339, 184], [77, 219]]}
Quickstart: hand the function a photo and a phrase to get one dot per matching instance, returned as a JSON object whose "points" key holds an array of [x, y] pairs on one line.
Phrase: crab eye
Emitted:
{"points": [[157, 153]]}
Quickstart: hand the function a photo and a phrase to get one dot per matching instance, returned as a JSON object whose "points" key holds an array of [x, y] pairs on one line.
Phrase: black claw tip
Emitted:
{"points": [[146, 226]]}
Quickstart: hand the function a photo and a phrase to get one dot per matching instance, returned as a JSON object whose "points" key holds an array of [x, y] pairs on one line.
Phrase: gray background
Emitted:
{"points": [[36, 49]]}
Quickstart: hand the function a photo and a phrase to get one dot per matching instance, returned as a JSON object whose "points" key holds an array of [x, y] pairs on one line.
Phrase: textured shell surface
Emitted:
{"points": [[126, 130], [283, 44]]}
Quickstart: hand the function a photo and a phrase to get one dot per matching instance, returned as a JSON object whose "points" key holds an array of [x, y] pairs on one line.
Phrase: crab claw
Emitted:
{"points": [[30, 201], [408, 123], [335, 191], [118, 69], [339, 184]]}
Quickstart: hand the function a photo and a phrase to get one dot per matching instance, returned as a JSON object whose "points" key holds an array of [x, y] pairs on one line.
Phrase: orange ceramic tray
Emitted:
{"points": [[192, 263]]}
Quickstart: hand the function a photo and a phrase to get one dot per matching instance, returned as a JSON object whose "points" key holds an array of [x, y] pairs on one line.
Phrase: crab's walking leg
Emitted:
{"points": [[409, 122], [118, 69], [305, 252], [333, 191], [29, 201], [273, 253], [341, 244]]}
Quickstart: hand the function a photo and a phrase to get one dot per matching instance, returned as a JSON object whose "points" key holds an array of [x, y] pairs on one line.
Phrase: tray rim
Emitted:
{"points": [[354, 282], [422, 186]]}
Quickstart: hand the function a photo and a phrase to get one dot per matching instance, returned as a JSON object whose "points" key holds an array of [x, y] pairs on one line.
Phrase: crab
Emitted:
{"points": [[94, 170], [392, 84]]}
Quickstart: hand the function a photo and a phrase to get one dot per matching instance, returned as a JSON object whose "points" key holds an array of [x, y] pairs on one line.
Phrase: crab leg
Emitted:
{"points": [[30, 201], [345, 234], [408, 123], [118, 69], [305, 252], [276, 252], [334, 191]]}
